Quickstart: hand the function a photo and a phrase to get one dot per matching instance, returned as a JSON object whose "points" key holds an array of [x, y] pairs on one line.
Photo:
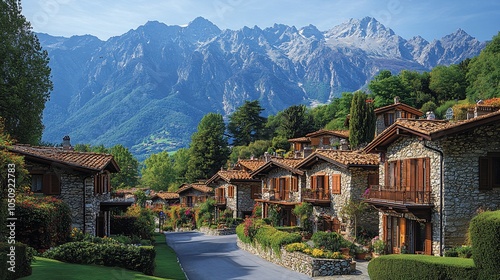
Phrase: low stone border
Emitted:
{"points": [[216, 232], [300, 262]]}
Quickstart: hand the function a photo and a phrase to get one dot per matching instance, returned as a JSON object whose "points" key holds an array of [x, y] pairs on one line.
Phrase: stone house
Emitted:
{"points": [[190, 195], [387, 115], [235, 189], [434, 177], [80, 179], [160, 199], [332, 179], [281, 185], [321, 139]]}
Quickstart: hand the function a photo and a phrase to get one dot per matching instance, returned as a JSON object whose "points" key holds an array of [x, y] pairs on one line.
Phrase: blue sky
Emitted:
{"points": [[408, 18]]}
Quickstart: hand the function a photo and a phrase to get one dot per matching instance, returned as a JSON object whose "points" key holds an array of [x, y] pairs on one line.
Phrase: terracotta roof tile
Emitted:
{"points": [[349, 157], [86, 160], [167, 195], [251, 164], [340, 133], [300, 139], [229, 175], [292, 162], [197, 186]]}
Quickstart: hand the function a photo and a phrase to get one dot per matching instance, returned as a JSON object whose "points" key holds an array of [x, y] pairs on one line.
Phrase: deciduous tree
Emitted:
{"points": [[129, 168]]}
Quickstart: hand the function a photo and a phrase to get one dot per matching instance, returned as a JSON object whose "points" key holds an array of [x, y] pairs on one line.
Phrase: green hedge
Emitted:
{"points": [[266, 235], [132, 226], [484, 231], [42, 222], [330, 240], [138, 258], [22, 261], [408, 267]]}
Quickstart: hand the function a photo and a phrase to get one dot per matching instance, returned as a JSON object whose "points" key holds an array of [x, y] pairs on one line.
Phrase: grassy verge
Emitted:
{"points": [[166, 260], [51, 269]]}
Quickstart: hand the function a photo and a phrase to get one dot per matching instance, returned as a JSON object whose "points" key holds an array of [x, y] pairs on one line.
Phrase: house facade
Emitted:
{"points": [[80, 179], [333, 179], [321, 139], [235, 190], [161, 199], [435, 176], [387, 115], [281, 183], [191, 195]]}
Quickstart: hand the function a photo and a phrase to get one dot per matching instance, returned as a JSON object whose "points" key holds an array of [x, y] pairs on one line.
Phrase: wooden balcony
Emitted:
{"points": [[400, 200], [401, 196], [220, 201], [316, 197]]}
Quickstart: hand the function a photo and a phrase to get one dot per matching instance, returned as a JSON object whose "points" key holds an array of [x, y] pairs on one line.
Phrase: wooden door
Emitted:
{"points": [[428, 239]]}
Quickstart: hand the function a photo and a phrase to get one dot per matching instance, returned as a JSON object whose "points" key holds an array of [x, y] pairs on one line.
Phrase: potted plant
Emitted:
{"points": [[361, 253], [379, 246]]}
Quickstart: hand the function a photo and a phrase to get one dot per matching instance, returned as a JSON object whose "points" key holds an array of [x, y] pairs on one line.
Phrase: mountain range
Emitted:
{"points": [[148, 88]]}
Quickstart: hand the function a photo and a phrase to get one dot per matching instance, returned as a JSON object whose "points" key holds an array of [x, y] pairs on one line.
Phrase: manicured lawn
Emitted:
{"points": [[166, 268], [166, 260], [51, 269]]}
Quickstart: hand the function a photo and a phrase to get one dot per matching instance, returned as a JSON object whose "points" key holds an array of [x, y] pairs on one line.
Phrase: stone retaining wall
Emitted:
{"points": [[216, 232], [300, 262]]}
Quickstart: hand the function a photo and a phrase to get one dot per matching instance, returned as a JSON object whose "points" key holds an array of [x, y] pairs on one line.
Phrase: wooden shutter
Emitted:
{"points": [[326, 186], [51, 184], [295, 184], [336, 186], [313, 182], [428, 239], [398, 175], [386, 174], [427, 174], [406, 174], [372, 180], [484, 178], [384, 228]]}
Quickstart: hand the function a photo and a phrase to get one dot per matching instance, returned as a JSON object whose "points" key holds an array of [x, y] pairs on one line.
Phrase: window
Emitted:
{"points": [[36, 183], [489, 171], [326, 140], [388, 119], [410, 175], [46, 183], [101, 183], [256, 192]]}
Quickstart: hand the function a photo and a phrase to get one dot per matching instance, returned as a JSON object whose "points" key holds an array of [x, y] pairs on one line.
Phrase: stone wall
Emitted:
{"points": [[72, 193], [245, 200], [300, 262], [217, 232]]}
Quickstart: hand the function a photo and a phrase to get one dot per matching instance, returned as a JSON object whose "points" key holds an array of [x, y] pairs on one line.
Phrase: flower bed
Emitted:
{"points": [[298, 261]]}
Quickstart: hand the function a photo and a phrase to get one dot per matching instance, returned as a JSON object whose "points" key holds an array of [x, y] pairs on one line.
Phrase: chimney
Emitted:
{"points": [[267, 157], [430, 115], [343, 145], [66, 143], [396, 99]]}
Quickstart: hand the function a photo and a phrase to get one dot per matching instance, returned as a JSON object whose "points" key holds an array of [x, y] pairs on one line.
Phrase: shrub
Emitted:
{"points": [[270, 237], [484, 234], [451, 253], [329, 240], [42, 222], [294, 247], [138, 258], [408, 267], [22, 262]]}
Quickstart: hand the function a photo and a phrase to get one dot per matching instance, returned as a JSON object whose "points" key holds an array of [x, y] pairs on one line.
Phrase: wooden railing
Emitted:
{"points": [[220, 200], [402, 196], [315, 194]]}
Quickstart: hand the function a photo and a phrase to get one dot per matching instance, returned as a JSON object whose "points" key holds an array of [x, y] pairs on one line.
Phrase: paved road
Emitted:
{"points": [[206, 257]]}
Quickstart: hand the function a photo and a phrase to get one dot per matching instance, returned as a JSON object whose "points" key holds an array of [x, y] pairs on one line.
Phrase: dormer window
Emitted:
{"points": [[388, 119]]}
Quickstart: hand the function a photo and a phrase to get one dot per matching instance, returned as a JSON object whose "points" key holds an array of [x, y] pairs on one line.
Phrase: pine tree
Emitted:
{"points": [[24, 75], [209, 148], [245, 124]]}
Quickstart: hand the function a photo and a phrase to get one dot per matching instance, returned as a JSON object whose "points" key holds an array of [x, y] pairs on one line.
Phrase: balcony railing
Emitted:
{"points": [[315, 194], [402, 196], [220, 200]]}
